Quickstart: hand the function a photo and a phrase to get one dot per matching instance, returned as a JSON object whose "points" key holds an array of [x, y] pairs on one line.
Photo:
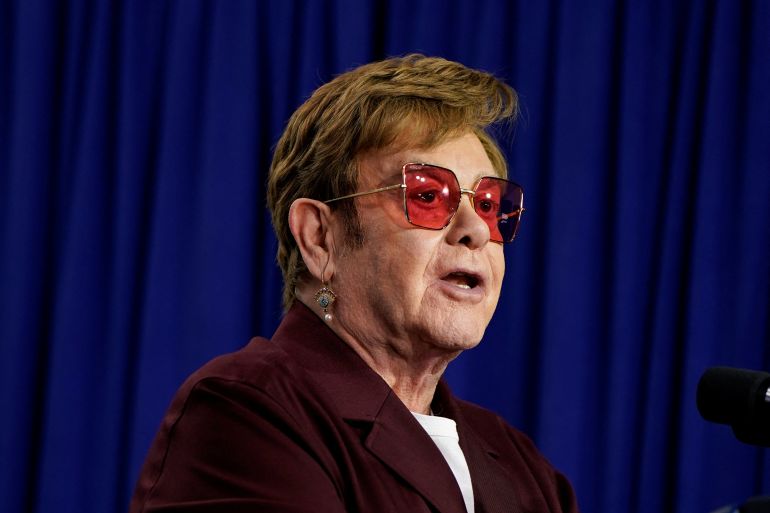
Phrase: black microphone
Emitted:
{"points": [[739, 398]]}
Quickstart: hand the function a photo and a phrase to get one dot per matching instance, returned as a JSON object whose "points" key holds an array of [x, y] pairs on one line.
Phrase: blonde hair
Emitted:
{"points": [[426, 99]]}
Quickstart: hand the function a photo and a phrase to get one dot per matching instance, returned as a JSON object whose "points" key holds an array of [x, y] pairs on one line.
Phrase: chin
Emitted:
{"points": [[452, 325], [457, 334]]}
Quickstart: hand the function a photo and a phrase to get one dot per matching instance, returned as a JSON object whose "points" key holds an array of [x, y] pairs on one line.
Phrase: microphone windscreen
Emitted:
{"points": [[731, 396]]}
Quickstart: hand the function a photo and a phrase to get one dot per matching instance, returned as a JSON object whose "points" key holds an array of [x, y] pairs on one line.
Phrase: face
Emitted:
{"points": [[411, 288]]}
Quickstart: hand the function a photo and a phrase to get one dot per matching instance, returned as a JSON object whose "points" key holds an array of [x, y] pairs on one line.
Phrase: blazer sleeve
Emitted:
{"points": [[229, 447]]}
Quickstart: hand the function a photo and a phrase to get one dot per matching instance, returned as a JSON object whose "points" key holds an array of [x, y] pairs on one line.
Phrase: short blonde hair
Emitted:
{"points": [[368, 108]]}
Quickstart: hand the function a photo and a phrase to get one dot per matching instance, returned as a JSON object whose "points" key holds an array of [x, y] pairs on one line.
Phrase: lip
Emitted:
{"points": [[472, 295]]}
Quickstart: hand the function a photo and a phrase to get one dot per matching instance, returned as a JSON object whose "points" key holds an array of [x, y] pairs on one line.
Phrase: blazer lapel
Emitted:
{"points": [[399, 441], [493, 491], [492, 488]]}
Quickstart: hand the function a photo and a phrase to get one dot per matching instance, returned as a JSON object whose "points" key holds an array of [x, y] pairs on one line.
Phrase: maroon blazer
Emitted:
{"points": [[301, 424]]}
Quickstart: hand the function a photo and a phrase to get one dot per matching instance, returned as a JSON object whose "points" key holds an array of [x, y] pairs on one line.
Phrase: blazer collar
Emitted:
{"points": [[493, 490], [359, 393], [362, 396]]}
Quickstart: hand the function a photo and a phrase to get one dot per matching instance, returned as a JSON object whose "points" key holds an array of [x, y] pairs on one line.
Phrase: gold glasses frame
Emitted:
{"points": [[470, 192]]}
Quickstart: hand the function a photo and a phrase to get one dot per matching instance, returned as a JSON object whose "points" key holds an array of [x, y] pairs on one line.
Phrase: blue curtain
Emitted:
{"points": [[135, 245]]}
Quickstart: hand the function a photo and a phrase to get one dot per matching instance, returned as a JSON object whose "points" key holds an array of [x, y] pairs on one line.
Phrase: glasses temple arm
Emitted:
{"points": [[381, 189]]}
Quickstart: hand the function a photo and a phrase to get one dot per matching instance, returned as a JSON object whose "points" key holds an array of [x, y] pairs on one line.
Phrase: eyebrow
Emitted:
{"points": [[479, 175]]}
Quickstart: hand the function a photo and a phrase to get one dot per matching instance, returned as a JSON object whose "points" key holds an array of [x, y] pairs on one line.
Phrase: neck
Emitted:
{"points": [[411, 368], [414, 381]]}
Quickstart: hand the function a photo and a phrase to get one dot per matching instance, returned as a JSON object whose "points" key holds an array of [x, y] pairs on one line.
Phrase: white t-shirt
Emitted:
{"points": [[443, 432]]}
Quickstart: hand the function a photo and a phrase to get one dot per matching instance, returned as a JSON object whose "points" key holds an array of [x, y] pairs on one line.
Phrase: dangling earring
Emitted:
{"points": [[325, 297]]}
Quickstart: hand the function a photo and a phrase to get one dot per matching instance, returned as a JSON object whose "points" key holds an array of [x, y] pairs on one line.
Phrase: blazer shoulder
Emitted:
{"points": [[261, 366], [254, 364]]}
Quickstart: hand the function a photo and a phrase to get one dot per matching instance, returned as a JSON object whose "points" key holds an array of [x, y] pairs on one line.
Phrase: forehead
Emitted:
{"points": [[465, 155]]}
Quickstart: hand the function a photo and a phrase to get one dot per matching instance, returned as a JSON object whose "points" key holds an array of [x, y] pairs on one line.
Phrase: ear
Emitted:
{"points": [[310, 222]]}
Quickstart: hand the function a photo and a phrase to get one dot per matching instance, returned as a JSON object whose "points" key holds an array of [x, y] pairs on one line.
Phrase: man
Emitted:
{"points": [[391, 208]]}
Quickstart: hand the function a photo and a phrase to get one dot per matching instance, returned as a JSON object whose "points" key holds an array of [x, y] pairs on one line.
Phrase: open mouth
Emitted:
{"points": [[462, 280]]}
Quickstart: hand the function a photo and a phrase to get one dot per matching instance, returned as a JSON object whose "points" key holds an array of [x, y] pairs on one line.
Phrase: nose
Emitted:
{"points": [[467, 227]]}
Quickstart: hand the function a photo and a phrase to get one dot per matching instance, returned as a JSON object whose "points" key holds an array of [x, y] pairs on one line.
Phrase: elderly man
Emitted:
{"points": [[391, 207]]}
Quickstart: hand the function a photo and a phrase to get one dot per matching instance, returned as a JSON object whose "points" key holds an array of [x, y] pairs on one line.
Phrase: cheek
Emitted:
{"points": [[497, 265], [497, 262], [408, 266], [377, 274]]}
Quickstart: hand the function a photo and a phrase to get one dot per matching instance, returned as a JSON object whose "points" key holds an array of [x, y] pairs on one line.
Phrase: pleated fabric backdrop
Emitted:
{"points": [[135, 138]]}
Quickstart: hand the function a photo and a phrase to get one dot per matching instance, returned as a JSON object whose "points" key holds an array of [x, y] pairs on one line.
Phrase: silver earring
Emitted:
{"points": [[325, 297]]}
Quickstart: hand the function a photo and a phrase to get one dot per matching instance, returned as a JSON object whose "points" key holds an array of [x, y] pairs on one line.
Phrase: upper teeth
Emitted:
{"points": [[461, 280]]}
